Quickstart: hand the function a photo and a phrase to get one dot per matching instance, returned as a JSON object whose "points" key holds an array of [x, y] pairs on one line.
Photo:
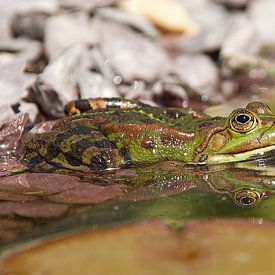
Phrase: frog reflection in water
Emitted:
{"points": [[102, 134]]}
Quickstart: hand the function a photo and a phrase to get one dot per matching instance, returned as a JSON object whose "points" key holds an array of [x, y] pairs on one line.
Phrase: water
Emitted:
{"points": [[168, 191]]}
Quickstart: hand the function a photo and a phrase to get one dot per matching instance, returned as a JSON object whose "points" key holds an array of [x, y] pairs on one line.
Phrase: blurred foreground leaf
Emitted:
{"points": [[202, 247]]}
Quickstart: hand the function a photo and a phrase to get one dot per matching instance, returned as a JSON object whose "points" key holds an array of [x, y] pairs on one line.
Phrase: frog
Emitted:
{"points": [[99, 134]]}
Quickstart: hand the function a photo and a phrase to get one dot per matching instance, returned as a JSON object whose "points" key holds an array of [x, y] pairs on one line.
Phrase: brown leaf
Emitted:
{"points": [[87, 193], [33, 209]]}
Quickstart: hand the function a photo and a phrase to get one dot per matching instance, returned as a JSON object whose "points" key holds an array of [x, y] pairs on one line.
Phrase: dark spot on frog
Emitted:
{"points": [[173, 114], [52, 151], [72, 159], [81, 146], [126, 156], [83, 105], [104, 143], [148, 143], [169, 140], [98, 162], [146, 120], [77, 130], [35, 161]]}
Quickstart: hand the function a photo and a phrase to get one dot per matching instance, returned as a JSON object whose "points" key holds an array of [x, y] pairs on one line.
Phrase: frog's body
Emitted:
{"points": [[114, 133]]}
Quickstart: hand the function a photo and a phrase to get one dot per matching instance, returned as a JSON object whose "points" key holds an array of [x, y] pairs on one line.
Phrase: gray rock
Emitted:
{"points": [[262, 18], [31, 25], [131, 55], [199, 75], [233, 4], [241, 37], [86, 5], [135, 21], [92, 84], [213, 21], [17, 7], [13, 79], [61, 74], [64, 31]]}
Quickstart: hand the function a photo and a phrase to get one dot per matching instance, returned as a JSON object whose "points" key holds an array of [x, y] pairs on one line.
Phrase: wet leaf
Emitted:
{"points": [[88, 193], [33, 209], [11, 135], [45, 184], [7, 196]]}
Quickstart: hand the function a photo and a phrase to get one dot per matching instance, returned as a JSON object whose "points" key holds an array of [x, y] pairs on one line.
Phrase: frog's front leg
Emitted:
{"points": [[83, 105], [80, 148]]}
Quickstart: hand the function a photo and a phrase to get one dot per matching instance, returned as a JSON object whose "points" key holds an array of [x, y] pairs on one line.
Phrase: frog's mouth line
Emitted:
{"points": [[264, 152]]}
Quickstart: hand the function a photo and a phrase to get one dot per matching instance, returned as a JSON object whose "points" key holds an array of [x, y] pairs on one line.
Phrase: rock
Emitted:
{"points": [[241, 37], [167, 15], [170, 91], [233, 4], [47, 99], [131, 55], [18, 8], [29, 6], [7, 114], [58, 83], [261, 14], [93, 84], [13, 79], [11, 134], [62, 72], [199, 75], [31, 25], [250, 73], [132, 20], [86, 5], [30, 108], [64, 31], [213, 21]]}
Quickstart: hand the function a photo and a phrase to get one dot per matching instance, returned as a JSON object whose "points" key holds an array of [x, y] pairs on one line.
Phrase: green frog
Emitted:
{"points": [[108, 133]]}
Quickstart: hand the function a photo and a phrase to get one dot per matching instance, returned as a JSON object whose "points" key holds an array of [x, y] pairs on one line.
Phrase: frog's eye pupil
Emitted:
{"points": [[243, 118], [247, 200]]}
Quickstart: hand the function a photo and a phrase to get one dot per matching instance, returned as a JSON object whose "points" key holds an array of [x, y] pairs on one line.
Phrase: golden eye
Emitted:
{"points": [[247, 197], [242, 120]]}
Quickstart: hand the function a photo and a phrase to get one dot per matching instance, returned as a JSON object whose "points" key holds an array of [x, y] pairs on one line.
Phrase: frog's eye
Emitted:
{"points": [[242, 121], [247, 197]]}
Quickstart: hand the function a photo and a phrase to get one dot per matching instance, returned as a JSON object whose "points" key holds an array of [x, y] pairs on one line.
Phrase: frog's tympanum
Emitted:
{"points": [[102, 134]]}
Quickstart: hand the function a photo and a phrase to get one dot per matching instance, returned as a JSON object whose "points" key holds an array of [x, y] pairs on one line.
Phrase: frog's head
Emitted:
{"points": [[249, 133]]}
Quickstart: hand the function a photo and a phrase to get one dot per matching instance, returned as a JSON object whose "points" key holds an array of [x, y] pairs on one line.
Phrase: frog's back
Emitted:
{"points": [[183, 119], [102, 138]]}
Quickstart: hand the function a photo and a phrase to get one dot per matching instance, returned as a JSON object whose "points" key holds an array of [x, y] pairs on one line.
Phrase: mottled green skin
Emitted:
{"points": [[113, 138]]}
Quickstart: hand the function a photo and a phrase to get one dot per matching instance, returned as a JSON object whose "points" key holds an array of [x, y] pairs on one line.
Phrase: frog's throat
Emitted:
{"points": [[248, 155]]}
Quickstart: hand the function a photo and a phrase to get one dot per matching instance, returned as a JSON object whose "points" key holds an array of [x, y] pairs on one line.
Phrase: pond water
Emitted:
{"points": [[168, 191]]}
